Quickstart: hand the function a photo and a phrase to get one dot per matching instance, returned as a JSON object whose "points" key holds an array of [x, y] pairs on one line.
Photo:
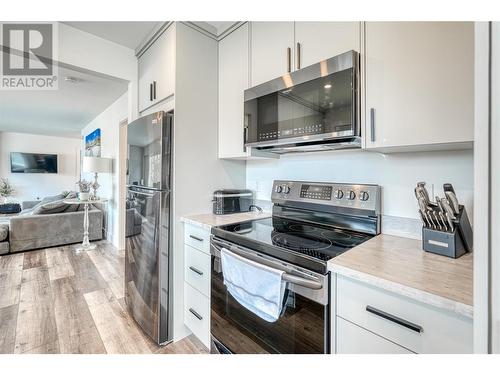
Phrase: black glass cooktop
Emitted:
{"points": [[306, 240]]}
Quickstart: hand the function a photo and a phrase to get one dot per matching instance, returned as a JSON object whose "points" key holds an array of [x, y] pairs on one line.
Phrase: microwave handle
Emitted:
{"points": [[289, 60], [246, 120], [298, 55]]}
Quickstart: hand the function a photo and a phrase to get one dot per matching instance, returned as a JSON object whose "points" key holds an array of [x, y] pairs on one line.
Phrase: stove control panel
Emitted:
{"points": [[356, 196], [323, 192]]}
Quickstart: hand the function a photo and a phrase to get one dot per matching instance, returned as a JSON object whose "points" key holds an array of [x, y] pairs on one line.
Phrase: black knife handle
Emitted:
{"points": [[448, 187]]}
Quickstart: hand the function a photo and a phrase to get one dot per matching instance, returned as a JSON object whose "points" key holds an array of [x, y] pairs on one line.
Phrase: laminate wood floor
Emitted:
{"points": [[59, 301]]}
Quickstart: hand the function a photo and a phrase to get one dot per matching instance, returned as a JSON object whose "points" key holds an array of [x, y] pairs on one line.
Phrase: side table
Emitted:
{"points": [[86, 245]]}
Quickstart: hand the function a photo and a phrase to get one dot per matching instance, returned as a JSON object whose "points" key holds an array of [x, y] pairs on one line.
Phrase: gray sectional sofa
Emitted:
{"points": [[4, 239], [52, 223]]}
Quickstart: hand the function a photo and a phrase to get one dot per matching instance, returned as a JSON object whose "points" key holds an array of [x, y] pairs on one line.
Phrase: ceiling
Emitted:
{"points": [[129, 34], [66, 111], [63, 112], [133, 34], [221, 26]]}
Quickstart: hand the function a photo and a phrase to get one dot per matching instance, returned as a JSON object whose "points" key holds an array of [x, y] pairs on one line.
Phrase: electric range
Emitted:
{"points": [[312, 222]]}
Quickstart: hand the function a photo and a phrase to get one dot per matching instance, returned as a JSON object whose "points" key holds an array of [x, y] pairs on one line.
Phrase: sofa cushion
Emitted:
{"points": [[4, 232], [55, 207], [4, 248], [54, 198], [55, 204]]}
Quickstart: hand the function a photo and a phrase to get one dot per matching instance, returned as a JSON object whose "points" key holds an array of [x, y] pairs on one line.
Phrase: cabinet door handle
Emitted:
{"points": [[196, 238], [289, 59], [395, 319], [154, 90], [198, 316], [372, 124], [150, 92], [196, 270], [298, 55]]}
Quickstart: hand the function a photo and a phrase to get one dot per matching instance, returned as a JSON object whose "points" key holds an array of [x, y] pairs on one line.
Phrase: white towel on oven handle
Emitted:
{"points": [[255, 286]]}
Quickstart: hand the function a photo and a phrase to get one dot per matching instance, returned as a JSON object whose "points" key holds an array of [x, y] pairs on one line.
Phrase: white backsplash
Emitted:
{"points": [[397, 173]]}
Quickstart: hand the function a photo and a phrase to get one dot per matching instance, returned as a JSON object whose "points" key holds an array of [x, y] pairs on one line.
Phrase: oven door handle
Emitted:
{"points": [[297, 280]]}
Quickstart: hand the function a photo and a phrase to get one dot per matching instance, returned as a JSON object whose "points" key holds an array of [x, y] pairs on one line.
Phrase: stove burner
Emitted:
{"points": [[310, 245], [339, 238]]}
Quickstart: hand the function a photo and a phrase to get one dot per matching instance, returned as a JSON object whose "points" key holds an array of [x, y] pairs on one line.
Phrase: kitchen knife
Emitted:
{"points": [[423, 192], [452, 199], [440, 211], [448, 187], [439, 205], [448, 214], [435, 218], [447, 208], [450, 221], [443, 219], [423, 209], [423, 218], [431, 220]]}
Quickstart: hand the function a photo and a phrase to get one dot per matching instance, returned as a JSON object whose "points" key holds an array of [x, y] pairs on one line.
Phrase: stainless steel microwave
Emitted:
{"points": [[311, 109]]}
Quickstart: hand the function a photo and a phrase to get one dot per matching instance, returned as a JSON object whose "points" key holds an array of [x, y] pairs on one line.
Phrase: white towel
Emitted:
{"points": [[257, 287]]}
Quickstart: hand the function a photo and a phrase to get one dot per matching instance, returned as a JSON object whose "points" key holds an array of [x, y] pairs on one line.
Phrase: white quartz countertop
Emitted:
{"points": [[207, 221], [400, 265]]}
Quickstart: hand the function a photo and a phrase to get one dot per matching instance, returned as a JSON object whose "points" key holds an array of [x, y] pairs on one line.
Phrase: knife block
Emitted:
{"points": [[451, 244]]}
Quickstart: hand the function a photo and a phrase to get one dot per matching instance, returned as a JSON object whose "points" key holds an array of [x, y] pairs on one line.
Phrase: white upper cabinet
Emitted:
{"points": [[271, 50], [419, 85], [146, 79], [233, 81], [282, 47], [157, 70], [317, 41]]}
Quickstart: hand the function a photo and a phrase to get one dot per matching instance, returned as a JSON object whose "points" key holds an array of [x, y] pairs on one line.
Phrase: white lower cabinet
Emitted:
{"points": [[197, 282], [357, 340], [197, 313], [408, 323]]}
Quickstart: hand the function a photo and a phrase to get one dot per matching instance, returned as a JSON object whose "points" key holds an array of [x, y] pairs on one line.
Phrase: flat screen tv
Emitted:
{"points": [[22, 162]]}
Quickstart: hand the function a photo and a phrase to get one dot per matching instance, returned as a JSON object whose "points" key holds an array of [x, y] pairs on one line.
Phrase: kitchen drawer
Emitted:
{"points": [[352, 339], [197, 237], [197, 314], [397, 319], [197, 269]]}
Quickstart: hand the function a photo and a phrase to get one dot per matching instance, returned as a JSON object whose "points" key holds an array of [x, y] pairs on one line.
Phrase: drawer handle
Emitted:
{"points": [[195, 270], [198, 316], [394, 319], [196, 238]]}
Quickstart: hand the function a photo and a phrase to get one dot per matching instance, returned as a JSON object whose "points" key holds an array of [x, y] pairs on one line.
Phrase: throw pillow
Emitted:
{"points": [[54, 207]]}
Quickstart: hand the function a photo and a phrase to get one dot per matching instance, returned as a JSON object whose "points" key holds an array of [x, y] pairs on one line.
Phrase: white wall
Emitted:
{"points": [[396, 173], [108, 121], [86, 51], [495, 190], [482, 165], [31, 186]]}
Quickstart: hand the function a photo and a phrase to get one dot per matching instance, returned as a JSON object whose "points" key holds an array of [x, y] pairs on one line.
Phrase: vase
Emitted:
{"points": [[84, 196]]}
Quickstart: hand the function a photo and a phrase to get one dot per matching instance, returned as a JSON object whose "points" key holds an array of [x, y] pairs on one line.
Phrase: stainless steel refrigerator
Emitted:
{"points": [[148, 260]]}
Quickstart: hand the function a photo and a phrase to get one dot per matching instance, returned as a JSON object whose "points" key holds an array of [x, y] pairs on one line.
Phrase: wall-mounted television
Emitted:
{"points": [[22, 162]]}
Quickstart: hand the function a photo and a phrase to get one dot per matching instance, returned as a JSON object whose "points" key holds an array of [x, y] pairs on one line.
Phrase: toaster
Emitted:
{"points": [[232, 201]]}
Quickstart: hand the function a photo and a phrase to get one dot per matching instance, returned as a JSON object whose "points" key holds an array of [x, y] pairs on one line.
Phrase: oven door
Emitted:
{"points": [[303, 327]]}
